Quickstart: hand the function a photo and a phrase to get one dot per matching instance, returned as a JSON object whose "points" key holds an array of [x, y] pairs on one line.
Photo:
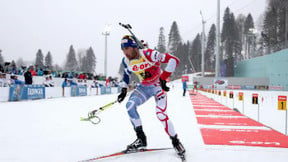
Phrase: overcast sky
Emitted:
{"points": [[54, 25]]}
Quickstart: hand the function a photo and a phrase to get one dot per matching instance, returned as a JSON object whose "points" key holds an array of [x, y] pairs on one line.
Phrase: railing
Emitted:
{"points": [[266, 107], [30, 92]]}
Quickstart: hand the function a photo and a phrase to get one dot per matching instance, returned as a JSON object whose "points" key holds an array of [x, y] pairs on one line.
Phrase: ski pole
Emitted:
{"points": [[128, 27], [93, 115]]}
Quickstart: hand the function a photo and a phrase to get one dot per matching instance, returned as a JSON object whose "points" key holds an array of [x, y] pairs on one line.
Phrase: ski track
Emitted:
{"points": [[51, 131]]}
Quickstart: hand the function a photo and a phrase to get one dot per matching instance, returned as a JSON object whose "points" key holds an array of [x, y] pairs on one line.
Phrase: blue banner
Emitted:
{"points": [[16, 92], [247, 87], [26, 92], [78, 91], [106, 90], [82, 91], [73, 91]]}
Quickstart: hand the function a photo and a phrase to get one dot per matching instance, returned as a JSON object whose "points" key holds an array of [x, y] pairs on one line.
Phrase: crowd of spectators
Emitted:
{"points": [[71, 77]]}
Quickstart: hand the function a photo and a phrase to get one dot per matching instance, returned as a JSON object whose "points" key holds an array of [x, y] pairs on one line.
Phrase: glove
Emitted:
{"points": [[122, 95], [163, 85]]}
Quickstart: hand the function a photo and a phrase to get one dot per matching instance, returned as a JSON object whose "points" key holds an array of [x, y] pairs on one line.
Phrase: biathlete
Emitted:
{"points": [[145, 63]]}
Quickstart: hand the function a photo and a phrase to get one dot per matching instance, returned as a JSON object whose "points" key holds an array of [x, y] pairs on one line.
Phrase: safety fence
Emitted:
{"points": [[31, 92], [266, 107]]}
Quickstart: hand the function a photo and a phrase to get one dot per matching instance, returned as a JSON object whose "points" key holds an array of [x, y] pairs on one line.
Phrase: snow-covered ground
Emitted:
{"points": [[51, 131]]}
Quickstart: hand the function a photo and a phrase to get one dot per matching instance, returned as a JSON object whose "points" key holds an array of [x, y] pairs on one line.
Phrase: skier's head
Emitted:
{"points": [[129, 47], [128, 41]]}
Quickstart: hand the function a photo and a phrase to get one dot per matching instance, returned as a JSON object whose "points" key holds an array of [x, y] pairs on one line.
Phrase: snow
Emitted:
{"points": [[50, 130]]}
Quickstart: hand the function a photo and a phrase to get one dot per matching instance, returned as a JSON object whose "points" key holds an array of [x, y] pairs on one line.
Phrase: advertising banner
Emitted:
{"points": [[82, 90], [78, 91], [106, 90], [26, 92], [220, 83]]}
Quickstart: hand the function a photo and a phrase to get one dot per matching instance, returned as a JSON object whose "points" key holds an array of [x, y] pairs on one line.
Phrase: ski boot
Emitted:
{"points": [[179, 148], [139, 144]]}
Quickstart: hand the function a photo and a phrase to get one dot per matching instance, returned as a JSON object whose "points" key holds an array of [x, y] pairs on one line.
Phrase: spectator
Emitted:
{"points": [[40, 72], [28, 76], [32, 71], [3, 81], [85, 82], [72, 83], [65, 83], [95, 84], [47, 82], [51, 82], [107, 84], [184, 85], [14, 80]]}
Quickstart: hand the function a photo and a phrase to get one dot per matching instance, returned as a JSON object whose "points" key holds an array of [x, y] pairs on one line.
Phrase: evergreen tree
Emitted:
{"points": [[39, 59], [269, 33], [248, 24], [91, 61], [83, 61], [161, 47], [230, 41], [82, 57], [275, 26], [48, 61], [182, 54], [71, 62], [210, 49], [196, 52], [240, 21], [13, 64], [20, 62], [1, 58], [174, 38], [250, 38], [57, 67]]}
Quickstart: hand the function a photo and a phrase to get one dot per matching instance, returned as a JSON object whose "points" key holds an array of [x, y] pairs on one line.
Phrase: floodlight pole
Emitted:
{"points": [[203, 46], [217, 61], [106, 34]]}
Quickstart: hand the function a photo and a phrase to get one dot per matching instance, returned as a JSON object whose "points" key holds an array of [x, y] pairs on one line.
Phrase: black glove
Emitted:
{"points": [[163, 85], [122, 95]]}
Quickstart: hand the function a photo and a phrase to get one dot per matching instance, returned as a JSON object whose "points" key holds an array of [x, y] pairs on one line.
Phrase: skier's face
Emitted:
{"points": [[130, 52]]}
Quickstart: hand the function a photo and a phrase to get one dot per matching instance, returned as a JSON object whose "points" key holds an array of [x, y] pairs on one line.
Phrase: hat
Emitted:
{"points": [[128, 41]]}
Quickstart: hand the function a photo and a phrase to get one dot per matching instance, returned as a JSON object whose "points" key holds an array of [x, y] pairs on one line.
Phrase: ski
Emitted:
{"points": [[124, 152]]}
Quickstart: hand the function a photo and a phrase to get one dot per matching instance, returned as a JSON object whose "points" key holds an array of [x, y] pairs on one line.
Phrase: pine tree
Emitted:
{"points": [[210, 49], [71, 62], [82, 59], [240, 21], [161, 47], [57, 67], [48, 61], [196, 52], [230, 41], [91, 61], [250, 39], [20, 62], [248, 24], [1, 58], [182, 54], [13, 64], [174, 38], [275, 26], [39, 59]]}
